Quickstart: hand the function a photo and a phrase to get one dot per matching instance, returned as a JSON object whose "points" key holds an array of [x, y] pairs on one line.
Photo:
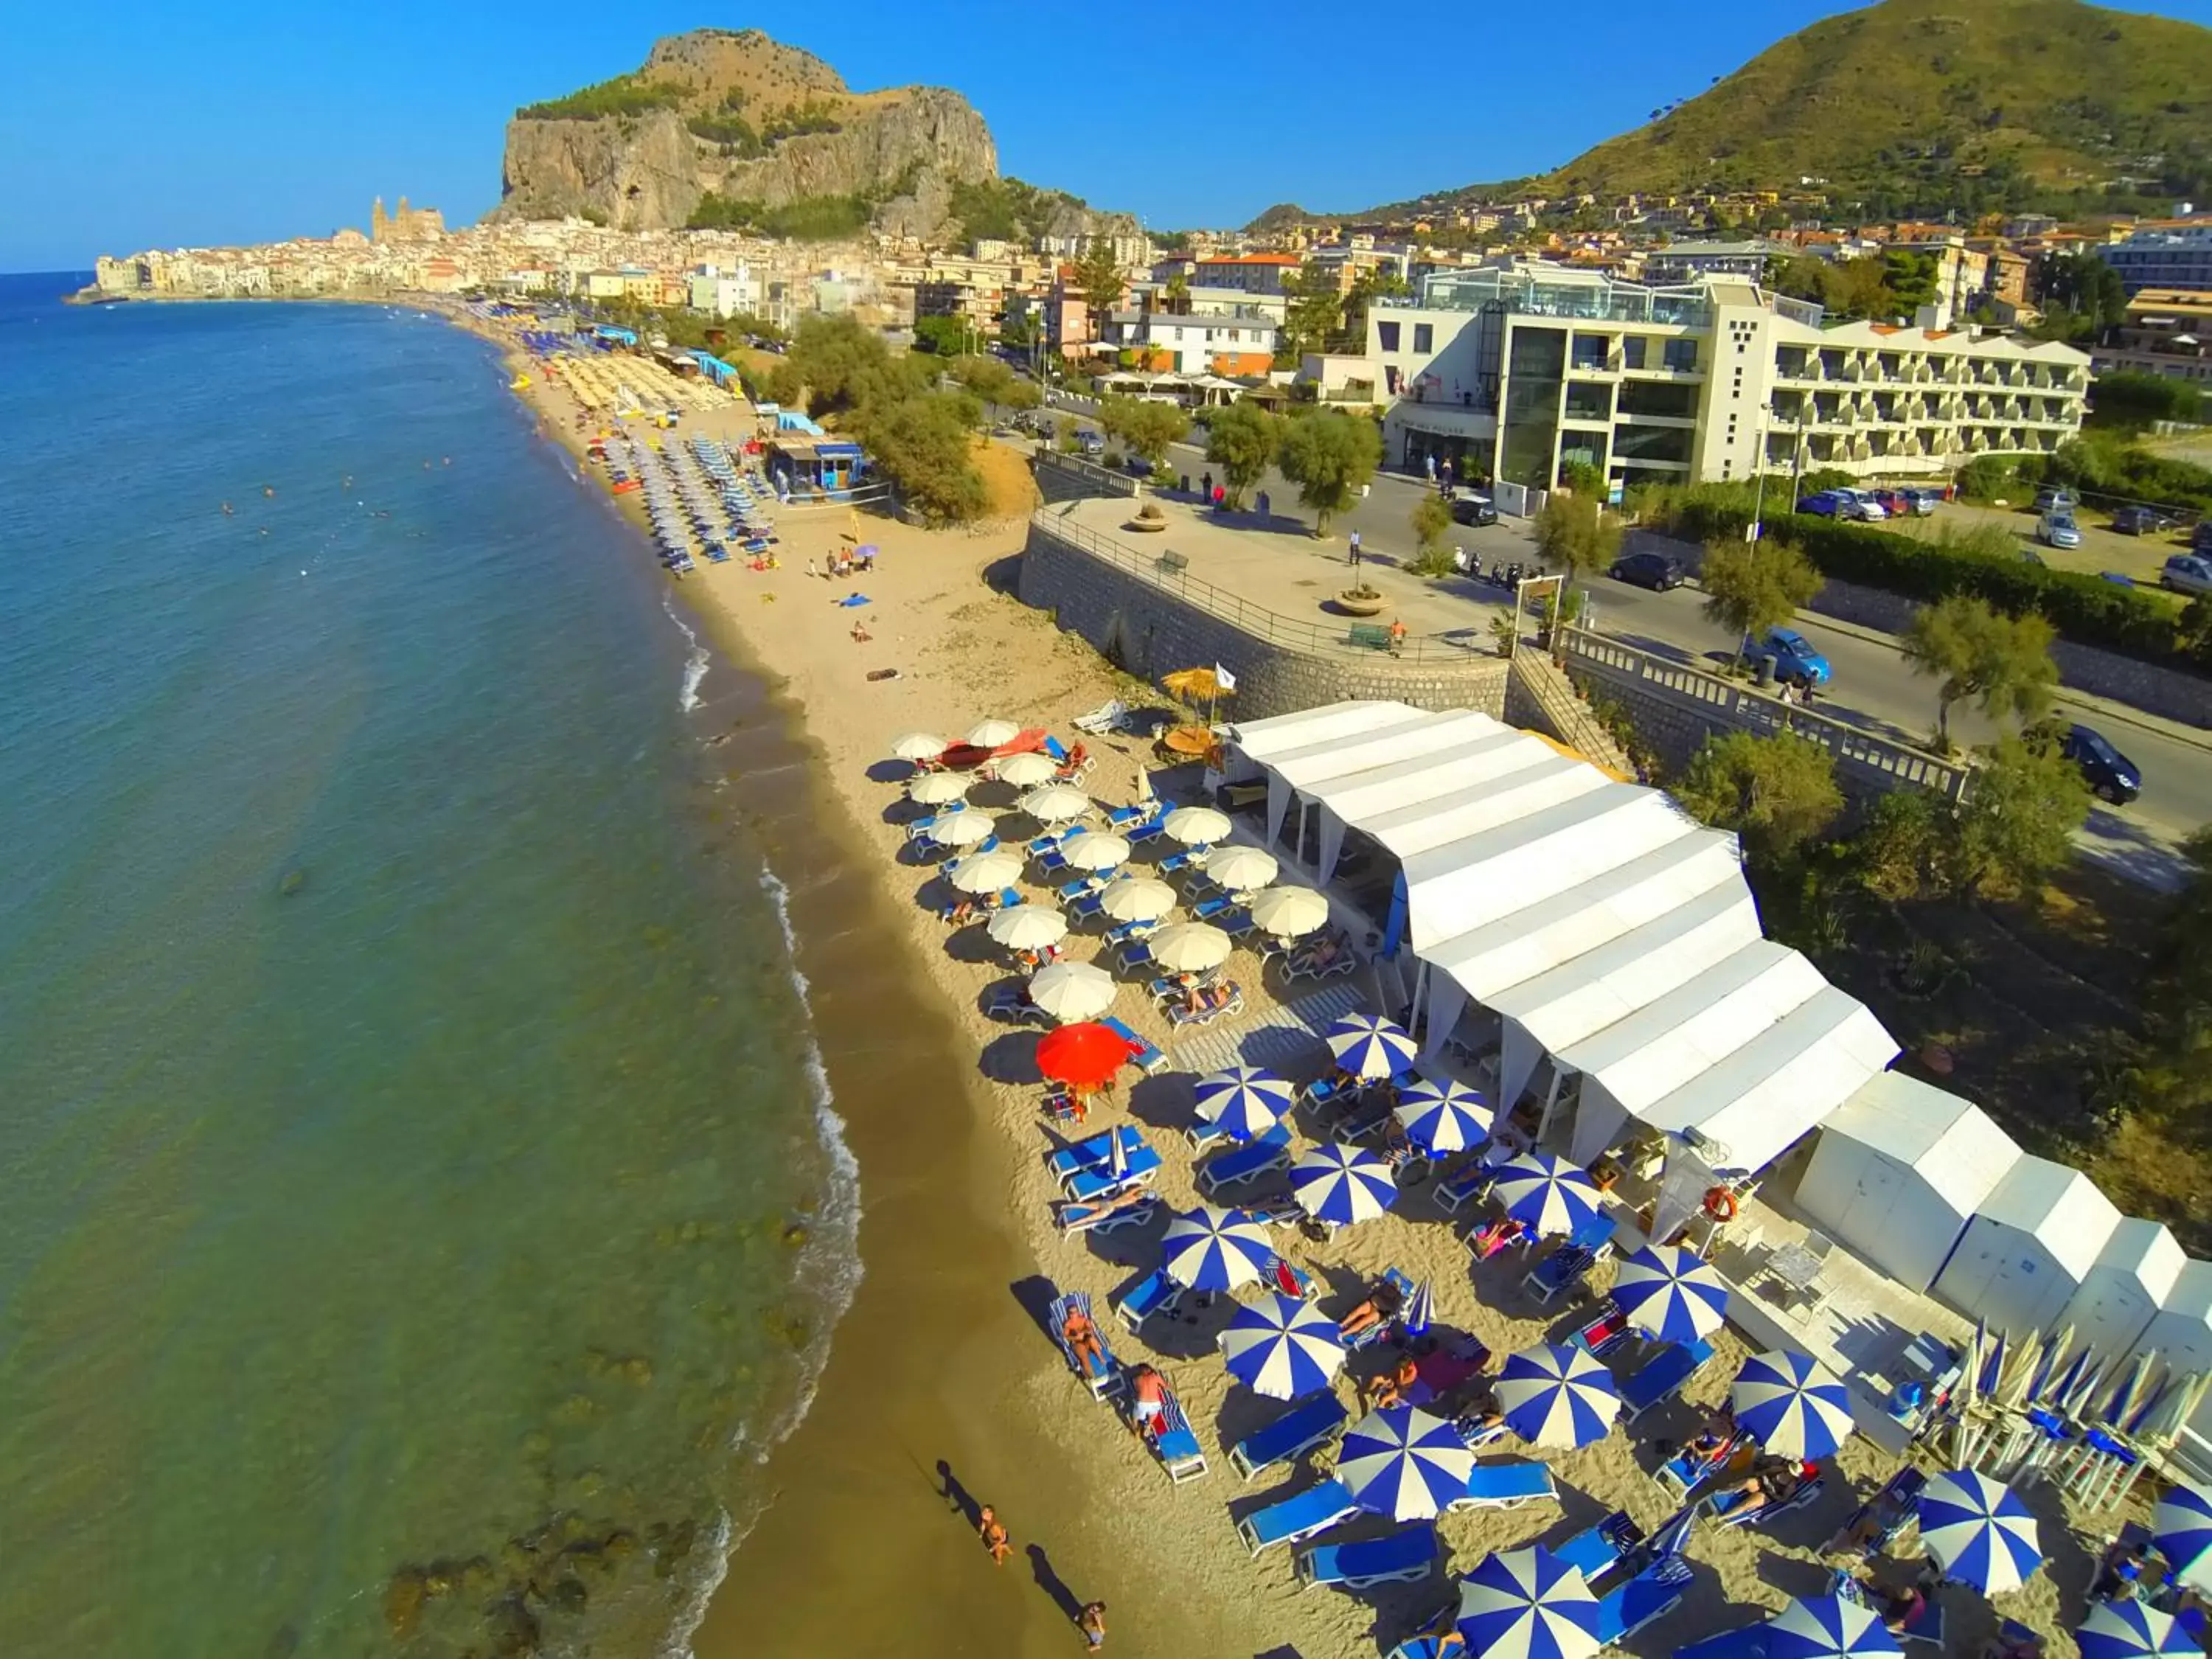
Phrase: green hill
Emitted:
{"points": [[1925, 107]]}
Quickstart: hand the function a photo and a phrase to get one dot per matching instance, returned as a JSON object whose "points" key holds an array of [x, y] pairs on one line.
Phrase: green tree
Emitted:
{"points": [[1313, 313], [1576, 534], [1329, 455], [845, 366], [2081, 284], [1904, 847], [1431, 521], [1145, 425], [1241, 440], [1751, 586], [2130, 401], [921, 443], [1775, 793], [1098, 273], [2002, 662], [947, 337], [1911, 275], [2018, 821], [1177, 291]]}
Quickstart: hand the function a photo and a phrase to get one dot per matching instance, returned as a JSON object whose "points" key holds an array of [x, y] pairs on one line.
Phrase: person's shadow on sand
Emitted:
{"points": [[956, 1496], [1049, 1583]]}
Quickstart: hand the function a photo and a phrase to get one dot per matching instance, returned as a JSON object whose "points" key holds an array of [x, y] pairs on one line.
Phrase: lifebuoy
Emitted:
{"points": [[1720, 1204]]}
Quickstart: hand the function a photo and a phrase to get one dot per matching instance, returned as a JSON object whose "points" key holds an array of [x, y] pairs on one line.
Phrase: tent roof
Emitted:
{"points": [[2146, 1251], [1413, 737], [2191, 1296], [2059, 1206], [1950, 1142], [1262, 740], [1473, 767], [1422, 826]]}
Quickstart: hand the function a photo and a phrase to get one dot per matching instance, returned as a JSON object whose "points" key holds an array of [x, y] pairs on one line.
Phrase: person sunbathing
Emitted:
{"points": [[1492, 1236], [1381, 1304], [1391, 1390], [1772, 1480], [963, 912], [1322, 952], [1398, 1147], [1148, 1401], [1082, 1342]]}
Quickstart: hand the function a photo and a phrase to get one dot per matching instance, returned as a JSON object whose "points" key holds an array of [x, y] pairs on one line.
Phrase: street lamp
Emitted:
{"points": [[1759, 497]]}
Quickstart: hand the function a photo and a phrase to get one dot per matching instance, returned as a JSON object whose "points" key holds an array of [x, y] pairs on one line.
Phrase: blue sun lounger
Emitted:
{"points": [[1893, 1509], [1600, 1546], [1156, 1293], [1176, 1444], [1095, 1152], [1651, 1595], [1402, 1557], [1296, 1519], [1255, 1158], [1382, 1327], [1729, 1510], [1146, 1057], [1749, 1644], [1174, 862], [1101, 1181], [1104, 1379], [1662, 1376], [1209, 908], [1685, 1471], [1307, 1425], [1088, 1217], [1470, 1186], [1566, 1267], [1507, 1486]]}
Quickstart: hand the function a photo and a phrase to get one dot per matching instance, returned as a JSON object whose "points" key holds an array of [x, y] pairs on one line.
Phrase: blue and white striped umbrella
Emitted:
{"points": [[1556, 1395], [1792, 1406], [2134, 1630], [1420, 1308], [1979, 1531], [1668, 1292], [1528, 1604], [1445, 1117], [1343, 1184], [1546, 1193], [1246, 1101], [1212, 1248], [2182, 1525], [1827, 1628], [1282, 1347], [1369, 1046], [1404, 1462]]}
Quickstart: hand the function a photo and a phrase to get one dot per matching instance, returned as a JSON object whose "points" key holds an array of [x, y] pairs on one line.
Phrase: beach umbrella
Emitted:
{"points": [[1137, 898], [1190, 947], [963, 829], [1342, 1184], [1288, 912], [1028, 927], [1192, 683], [2134, 1630], [939, 788], [1082, 1056], [1556, 1394], [1443, 1117], [1528, 1604], [1670, 1293], [1095, 853], [2181, 1526], [1404, 1462], [985, 873], [1196, 826], [1282, 1347], [1072, 990], [1546, 1193], [919, 746], [1055, 802], [1827, 1628], [1791, 1405], [1979, 1531], [1420, 1308], [1211, 1248], [1240, 869], [1025, 770], [1369, 1046], [989, 734], [1245, 1101]]}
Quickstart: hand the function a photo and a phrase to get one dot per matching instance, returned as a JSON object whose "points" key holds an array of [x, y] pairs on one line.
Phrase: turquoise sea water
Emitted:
{"points": [[415, 1193]]}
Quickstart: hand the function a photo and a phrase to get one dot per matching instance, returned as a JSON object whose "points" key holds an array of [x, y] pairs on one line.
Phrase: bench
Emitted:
{"points": [[1368, 634], [1171, 564]]}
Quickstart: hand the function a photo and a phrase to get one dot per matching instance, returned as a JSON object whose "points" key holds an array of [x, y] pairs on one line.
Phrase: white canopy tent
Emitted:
{"points": [[1493, 782], [2121, 1291], [1899, 1170], [2030, 1245], [1429, 743]]}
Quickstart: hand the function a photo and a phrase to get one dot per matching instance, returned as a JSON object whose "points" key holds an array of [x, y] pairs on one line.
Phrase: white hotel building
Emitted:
{"points": [[1522, 370]]}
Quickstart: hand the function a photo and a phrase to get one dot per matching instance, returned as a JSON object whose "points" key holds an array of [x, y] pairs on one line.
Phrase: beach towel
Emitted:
{"points": [[851, 600]]}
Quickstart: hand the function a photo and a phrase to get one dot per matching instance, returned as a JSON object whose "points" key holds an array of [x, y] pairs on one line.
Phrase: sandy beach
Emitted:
{"points": [[941, 1366]]}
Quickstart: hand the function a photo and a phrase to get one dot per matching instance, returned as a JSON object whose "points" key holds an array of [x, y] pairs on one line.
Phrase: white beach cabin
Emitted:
{"points": [[2028, 1248], [2121, 1293]]}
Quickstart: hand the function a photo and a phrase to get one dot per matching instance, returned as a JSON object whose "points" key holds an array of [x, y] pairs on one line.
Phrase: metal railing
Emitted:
{"points": [[1333, 638]]}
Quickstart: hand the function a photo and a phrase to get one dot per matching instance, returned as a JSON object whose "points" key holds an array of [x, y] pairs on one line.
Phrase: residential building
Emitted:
{"points": [[1682, 262], [1174, 343], [2169, 259], [2168, 332], [720, 292], [1253, 273]]}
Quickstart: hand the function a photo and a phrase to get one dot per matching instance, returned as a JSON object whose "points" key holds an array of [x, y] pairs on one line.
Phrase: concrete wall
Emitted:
{"points": [[1071, 478], [1150, 622]]}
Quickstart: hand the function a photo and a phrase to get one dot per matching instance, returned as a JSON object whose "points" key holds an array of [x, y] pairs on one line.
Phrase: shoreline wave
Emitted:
{"points": [[695, 666]]}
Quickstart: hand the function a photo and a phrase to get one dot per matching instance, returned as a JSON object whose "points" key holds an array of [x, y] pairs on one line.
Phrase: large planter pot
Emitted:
{"points": [[1361, 605]]}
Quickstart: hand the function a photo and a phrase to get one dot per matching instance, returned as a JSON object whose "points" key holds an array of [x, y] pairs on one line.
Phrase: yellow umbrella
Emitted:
{"points": [[1192, 683]]}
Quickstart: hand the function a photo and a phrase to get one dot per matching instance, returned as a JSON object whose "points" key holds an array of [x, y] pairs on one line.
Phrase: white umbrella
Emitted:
{"points": [[939, 788], [1289, 912], [1190, 947], [1072, 990], [989, 734], [1028, 927], [919, 746], [1196, 826], [985, 873], [1095, 853], [1026, 770], [962, 830], [1055, 802], [1240, 869], [1137, 898]]}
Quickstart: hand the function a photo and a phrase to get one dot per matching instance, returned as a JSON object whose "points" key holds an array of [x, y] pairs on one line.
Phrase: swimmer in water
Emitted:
{"points": [[269, 490], [228, 509]]}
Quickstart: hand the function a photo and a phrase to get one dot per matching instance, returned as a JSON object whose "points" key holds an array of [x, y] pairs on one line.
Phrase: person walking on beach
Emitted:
{"points": [[1091, 1621], [993, 1535]]}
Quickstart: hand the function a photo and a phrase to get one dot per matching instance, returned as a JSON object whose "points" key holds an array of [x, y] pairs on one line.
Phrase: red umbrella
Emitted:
{"points": [[1082, 1056]]}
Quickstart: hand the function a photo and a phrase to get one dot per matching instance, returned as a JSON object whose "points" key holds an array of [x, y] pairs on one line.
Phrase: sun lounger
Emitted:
{"points": [[1174, 862], [1360, 1120], [1470, 1186], [1249, 1162], [1050, 840], [1309, 1423], [1176, 1444], [1101, 1181], [1011, 1004], [1685, 1471], [1395, 1280], [1893, 1509], [1207, 909], [1296, 967], [1750, 1643], [1425, 1647], [1296, 1519], [1096, 1151], [1151, 829], [1101, 1218], [1602, 1334], [1119, 818], [1634, 1602], [1401, 1558], [1145, 1057], [1289, 1279], [1507, 1486], [1156, 1293], [1662, 1376], [1103, 1379], [1599, 1546], [1179, 1016], [1099, 721], [1131, 955], [1130, 933], [1236, 923], [1730, 1510], [1562, 1270]]}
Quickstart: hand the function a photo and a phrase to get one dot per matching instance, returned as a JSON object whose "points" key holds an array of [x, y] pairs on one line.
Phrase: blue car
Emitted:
{"points": [[2108, 772], [1823, 505], [1795, 659]]}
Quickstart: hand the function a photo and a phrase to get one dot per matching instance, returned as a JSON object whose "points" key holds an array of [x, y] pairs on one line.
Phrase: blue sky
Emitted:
{"points": [[219, 121]]}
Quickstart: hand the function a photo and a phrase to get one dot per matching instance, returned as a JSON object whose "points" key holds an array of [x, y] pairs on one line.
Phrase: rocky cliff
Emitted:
{"points": [[744, 120]]}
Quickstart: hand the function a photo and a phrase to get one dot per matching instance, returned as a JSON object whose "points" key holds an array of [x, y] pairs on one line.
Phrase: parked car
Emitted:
{"points": [[1090, 442], [2109, 772], [1656, 571], [2187, 572], [1793, 657], [1860, 504], [2200, 539], [1924, 501], [2057, 528], [2140, 520], [1894, 502], [1823, 504], [1471, 509], [1137, 466], [2052, 499]]}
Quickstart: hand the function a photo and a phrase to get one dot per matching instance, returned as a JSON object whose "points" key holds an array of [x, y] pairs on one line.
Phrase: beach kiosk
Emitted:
{"points": [[1899, 1171], [801, 464], [2122, 1290], [2028, 1248]]}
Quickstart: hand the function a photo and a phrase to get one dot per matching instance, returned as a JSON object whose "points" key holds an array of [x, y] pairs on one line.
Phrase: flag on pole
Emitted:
{"points": [[1224, 679]]}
